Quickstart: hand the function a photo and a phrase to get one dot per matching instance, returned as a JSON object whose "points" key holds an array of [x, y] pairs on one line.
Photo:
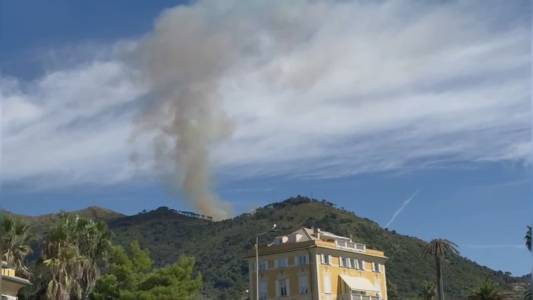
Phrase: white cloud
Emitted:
{"points": [[70, 126], [322, 89]]}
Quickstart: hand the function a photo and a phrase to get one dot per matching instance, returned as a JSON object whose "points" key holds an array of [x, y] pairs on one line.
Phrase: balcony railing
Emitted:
{"points": [[345, 245], [7, 272], [361, 297]]}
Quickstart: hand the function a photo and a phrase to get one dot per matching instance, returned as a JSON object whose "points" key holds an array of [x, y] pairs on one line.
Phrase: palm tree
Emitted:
{"points": [[487, 291], [72, 252], [14, 243], [428, 291], [528, 295], [94, 244], [439, 248]]}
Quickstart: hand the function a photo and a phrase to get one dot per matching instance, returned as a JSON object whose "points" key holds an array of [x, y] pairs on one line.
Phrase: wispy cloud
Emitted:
{"points": [[320, 89], [401, 208]]}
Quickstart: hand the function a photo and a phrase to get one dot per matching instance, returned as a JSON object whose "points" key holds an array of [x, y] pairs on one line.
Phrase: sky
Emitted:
{"points": [[416, 115]]}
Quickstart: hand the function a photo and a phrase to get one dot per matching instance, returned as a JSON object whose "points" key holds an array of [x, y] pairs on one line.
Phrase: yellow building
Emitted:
{"points": [[310, 264], [10, 284]]}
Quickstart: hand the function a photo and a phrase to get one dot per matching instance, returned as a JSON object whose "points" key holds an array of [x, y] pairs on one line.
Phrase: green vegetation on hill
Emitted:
{"points": [[219, 247]]}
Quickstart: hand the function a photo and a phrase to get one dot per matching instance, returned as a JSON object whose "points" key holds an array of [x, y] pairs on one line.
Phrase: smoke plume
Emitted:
{"points": [[183, 61], [191, 51]]}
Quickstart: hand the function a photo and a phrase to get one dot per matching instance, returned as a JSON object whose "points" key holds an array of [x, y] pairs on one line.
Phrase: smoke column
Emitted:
{"points": [[182, 61], [190, 52]]}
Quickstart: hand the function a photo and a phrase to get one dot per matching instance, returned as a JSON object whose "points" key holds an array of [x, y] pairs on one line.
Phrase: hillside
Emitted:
{"points": [[220, 246], [92, 212]]}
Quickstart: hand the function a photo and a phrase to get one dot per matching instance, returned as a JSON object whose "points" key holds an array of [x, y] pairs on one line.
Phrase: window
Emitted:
{"points": [[302, 260], [302, 284], [362, 266], [282, 262], [325, 259], [298, 237], [355, 264], [375, 267], [345, 262], [263, 290], [263, 265], [283, 289]]}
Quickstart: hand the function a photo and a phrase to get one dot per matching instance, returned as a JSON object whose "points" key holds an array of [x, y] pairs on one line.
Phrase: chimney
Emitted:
{"points": [[316, 231]]}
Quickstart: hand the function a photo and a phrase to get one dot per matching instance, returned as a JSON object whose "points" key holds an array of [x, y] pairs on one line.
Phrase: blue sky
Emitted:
{"points": [[359, 103]]}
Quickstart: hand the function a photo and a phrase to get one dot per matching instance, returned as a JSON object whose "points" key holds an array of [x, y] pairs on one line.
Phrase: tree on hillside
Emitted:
{"points": [[439, 249], [428, 291], [72, 251], [529, 293], [528, 238], [487, 291], [132, 276]]}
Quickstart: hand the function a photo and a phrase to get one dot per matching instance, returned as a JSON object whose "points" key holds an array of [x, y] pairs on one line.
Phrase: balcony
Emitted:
{"points": [[361, 297], [7, 272], [351, 246]]}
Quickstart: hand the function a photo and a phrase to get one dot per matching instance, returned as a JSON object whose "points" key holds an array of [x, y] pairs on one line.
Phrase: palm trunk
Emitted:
{"points": [[1, 274], [440, 280]]}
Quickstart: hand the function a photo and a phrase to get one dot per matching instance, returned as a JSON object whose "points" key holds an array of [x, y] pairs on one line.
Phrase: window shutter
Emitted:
{"points": [[327, 284], [303, 284], [330, 259], [263, 289]]}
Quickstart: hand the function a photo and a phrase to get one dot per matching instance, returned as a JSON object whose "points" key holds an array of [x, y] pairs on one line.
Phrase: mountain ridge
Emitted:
{"points": [[220, 246]]}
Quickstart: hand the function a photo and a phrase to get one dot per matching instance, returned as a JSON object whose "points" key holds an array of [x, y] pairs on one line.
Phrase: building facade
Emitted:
{"points": [[10, 284], [310, 264]]}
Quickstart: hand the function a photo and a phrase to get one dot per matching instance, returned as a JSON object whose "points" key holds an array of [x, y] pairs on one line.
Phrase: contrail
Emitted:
{"points": [[404, 204]]}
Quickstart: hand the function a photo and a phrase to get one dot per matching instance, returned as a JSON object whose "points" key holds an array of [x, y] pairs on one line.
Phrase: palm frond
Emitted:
{"points": [[441, 247]]}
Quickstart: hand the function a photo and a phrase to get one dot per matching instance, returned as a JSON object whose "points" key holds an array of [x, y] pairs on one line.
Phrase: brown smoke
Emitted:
{"points": [[191, 51], [183, 61]]}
